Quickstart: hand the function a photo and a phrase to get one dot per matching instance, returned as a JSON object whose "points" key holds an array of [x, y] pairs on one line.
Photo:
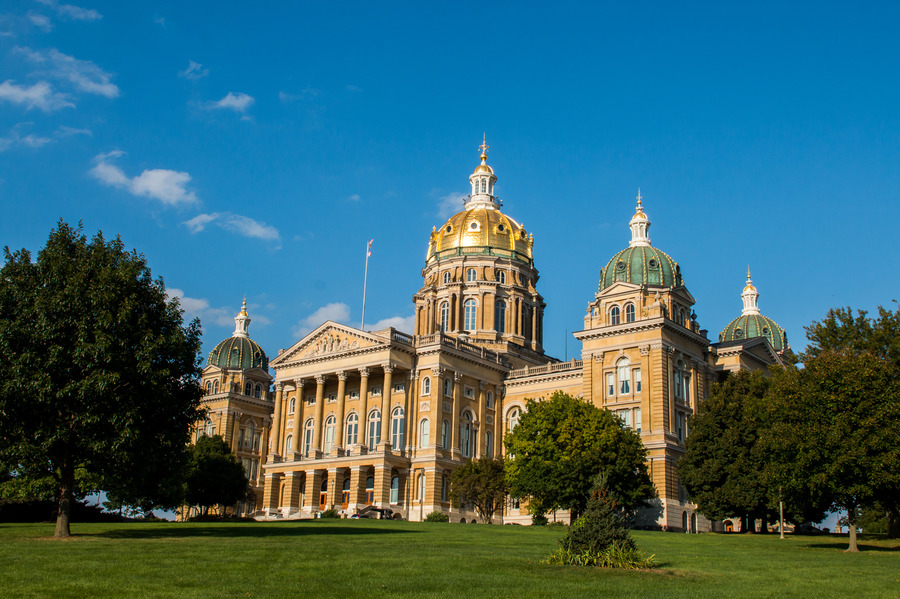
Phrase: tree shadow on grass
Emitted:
{"points": [[279, 529], [863, 548]]}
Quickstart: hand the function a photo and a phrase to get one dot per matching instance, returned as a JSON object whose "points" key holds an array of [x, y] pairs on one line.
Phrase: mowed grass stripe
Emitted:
{"points": [[342, 558]]}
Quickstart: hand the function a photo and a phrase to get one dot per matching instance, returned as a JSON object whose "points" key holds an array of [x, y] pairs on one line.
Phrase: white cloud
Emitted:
{"points": [[450, 204], [199, 308], [167, 186], [353, 88], [337, 311], [194, 70], [307, 92], [353, 197], [406, 324], [75, 13], [15, 138], [40, 96], [83, 74], [239, 102], [236, 223], [40, 21], [65, 131]]}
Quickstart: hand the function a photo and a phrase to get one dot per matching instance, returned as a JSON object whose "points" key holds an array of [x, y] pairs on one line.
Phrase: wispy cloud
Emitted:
{"points": [[402, 323], [16, 138], [199, 308], [194, 71], [40, 96], [337, 311], [167, 186], [450, 204], [65, 131], [307, 92], [353, 88], [40, 21], [72, 12], [235, 223], [238, 102], [353, 197], [86, 76]]}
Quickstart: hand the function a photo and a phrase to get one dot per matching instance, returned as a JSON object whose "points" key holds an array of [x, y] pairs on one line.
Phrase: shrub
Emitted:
{"points": [[614, 556], [538, 519], [329, 513], [437, 517]]}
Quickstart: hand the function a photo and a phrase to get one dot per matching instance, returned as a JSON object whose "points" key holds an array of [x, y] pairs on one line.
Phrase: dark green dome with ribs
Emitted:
{"points": [[238, 352], [641, 265]]}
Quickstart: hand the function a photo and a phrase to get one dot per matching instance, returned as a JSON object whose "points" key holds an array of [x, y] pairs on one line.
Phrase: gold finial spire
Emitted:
{"points": [[748, 273], [484, 147], [244, 306], [639, 198]]}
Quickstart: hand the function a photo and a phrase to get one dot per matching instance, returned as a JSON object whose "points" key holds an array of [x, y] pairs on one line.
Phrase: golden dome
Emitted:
{"points": [[480, 231], [483, 168]]}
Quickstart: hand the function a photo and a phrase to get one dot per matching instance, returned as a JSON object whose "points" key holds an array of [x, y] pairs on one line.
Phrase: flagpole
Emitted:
{"points": [[365, 280]]}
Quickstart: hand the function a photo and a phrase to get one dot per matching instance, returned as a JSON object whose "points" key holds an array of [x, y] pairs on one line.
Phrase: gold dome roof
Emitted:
{"points": [[480, 231], [483, 168]]}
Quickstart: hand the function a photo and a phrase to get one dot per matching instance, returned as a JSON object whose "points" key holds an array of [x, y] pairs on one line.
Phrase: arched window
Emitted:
{"points": [[465, 435], [445, 434], [500, 316], [426, 386], [395, 489], [501, 277], [329, 435], [257, 392], [216, 387], [513, 418], [682, 318], [622, 367], [424, 433], [470, 309], [352, 429], [208, 387], [448, 386], [445, 316], [629, 313], [490, 400], [292, 405], [471, 275], [374, 429], [446, 277], [614, 315], [289, 443], [398, 422], [484, 186], [489, 444], [308, 437], [248, 389], [345, 493], [420, 487], [370, 490]]}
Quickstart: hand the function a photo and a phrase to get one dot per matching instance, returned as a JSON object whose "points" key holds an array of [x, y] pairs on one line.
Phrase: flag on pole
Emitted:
{"points": [[369, 248]]}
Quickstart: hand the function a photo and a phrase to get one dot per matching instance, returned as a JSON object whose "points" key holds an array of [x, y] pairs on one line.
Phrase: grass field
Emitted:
{"points": [[347, 558]]}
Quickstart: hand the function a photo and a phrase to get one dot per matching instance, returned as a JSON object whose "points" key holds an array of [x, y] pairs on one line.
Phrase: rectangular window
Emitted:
{"points": [[610, 384], [637, 419], [687, 388], [625, 415], [399, 388], [679, 425], [354, 395], [332, 398], [376, 390], [637, 380], [257, 437], [469, 392]]}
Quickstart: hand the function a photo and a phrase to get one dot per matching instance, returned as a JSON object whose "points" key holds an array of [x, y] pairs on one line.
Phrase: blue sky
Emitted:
{"points": [[255, 151]]}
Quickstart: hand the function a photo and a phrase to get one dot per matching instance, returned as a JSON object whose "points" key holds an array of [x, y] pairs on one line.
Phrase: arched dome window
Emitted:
{"points": [[614, 315], [208, 387], [446, 277], [624, 374], [292, 405], [471, 275], [501, 277], [308, 437], [513, 417], [500, 316], [289, 443], [248, 389], [257, 392], [216, 387], [423, 433], [398, 425], [374, 429], [484, 186], [352, 429], [445, 316], [426, 386], [470, 311], [448, 386], [629, 313]]}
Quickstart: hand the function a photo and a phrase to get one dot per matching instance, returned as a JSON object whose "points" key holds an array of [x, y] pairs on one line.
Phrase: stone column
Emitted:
{"points": [[478, 449], [383, 485], [357, 488], [386, 392], [270, 492], [339, 412], [320, 406], [534, 324], [235, 431], [291, 500], [457, 406], [436, 414], [313, 485], [276, 422], [363, 438], [334, 491], [298, 417], [263, 443], [409, 409]]}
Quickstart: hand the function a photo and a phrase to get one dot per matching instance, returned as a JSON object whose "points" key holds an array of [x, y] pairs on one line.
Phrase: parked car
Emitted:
{"points": [[377, 513]]}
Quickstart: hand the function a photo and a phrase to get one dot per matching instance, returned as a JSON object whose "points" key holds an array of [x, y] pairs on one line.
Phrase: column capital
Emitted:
{"points": [[342, 375], [482, 385], [457, 376], [364, 371], [279, 386], [438, 371], [298, 383], [388, 367], [320, 379]]}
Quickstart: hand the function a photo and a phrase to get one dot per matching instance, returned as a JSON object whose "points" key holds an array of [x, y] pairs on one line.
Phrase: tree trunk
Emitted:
{"points": [[893, 521], [64, 509], [851, 522]]}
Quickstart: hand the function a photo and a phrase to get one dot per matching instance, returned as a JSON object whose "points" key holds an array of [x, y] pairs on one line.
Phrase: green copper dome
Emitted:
{"points": [[641, 265], [747, 326], [238, 352]]}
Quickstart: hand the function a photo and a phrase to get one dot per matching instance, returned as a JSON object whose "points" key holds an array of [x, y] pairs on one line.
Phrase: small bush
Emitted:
{"points": [[329, 513], [538, 519], [437, 517], [614, 556]]}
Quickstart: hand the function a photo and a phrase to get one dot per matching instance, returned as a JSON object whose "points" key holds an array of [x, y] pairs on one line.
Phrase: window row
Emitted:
{"points": [[467, 436], [626, 380], [250, 390], [332, 397], [470, 313], [472, 276], [631, 417], [615, 314], [448, 390]]}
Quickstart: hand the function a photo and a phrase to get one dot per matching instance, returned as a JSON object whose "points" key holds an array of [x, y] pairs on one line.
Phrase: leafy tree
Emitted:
{"points": [[840, 330], [214, 477], [723, 469], [562, 443], [835, 441], [99, 375], [482, 483]]}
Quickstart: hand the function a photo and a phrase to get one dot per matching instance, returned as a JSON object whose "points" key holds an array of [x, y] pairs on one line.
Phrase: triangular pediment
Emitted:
{"points": [[327, 339]]}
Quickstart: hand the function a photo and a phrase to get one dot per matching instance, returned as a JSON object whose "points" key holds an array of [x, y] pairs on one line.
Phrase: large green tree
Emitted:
{"points": [[723, 469], [482, 483], [835, 441], [214, 477], [100, 375], [562, 443]]}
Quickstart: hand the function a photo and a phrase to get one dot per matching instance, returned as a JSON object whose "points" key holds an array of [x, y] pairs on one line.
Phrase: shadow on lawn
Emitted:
{"points": [[285, 529], [862, 547]]}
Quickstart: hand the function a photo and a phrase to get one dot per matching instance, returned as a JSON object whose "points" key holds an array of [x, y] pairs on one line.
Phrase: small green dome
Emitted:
{"points": [[238, 352], [748, 326], [641, 265]]}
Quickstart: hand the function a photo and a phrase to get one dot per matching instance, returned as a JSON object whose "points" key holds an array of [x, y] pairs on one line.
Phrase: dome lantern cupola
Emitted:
{"points": [[640, 226], [242, 321], [239, 350], [482, 181], [750, 297]]}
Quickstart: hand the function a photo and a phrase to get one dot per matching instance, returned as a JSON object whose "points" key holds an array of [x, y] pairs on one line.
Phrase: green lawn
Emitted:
{"points": [[347, 558]]}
